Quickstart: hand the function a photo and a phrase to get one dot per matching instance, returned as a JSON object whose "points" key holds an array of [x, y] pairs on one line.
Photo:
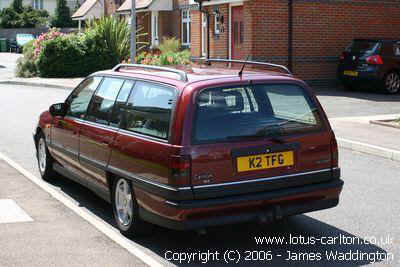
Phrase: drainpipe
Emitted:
{"points": [[290, 35]]}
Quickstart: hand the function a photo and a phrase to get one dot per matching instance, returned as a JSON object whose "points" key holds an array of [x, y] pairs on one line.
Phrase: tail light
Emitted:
{"points": [[341, 57], [334, 153], [179, 167], [374, 60]]}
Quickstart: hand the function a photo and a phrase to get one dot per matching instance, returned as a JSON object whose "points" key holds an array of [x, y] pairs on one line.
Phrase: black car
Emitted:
{"points": [[371, 62]]}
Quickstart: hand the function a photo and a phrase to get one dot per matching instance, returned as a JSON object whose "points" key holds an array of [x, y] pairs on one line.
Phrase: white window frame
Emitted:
{"points": [[37, 4], [188, 25], [203, 34]]}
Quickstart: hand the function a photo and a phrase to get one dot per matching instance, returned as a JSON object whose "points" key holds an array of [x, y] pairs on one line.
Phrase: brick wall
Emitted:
{"points": [[321, 30]]}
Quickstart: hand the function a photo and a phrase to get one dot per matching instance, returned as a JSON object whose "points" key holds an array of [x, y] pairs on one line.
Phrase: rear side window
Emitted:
{"points": [[103, 101], [254, 111], [396, 48], [364, 47], [148, 110]]}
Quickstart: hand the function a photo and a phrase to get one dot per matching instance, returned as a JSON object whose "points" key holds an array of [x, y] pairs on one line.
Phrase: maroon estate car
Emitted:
{"points": [[192, 150]]}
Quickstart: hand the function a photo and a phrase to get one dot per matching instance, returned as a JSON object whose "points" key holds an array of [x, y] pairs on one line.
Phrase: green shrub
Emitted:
{"points": [[17, 16], [169, 45], [26, 66]]}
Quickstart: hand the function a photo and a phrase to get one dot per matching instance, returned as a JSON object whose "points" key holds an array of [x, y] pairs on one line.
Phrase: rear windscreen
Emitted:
{"points": [[253, 111], [363, 47]]}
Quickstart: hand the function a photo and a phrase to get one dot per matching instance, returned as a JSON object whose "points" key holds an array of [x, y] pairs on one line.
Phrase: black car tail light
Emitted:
{"points": [[374, 60]]}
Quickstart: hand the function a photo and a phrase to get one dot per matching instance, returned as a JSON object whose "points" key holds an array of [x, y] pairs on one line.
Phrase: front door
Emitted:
{"points": [[237, 32], [65, 130]]}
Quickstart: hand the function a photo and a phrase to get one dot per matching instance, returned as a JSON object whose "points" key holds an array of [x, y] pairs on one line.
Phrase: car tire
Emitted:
{"points": [[126, 210], [45, 160], [391, 83]]}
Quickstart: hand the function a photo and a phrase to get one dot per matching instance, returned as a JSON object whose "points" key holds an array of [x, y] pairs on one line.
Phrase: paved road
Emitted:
{"points": [[369, 207], [341, 103]]}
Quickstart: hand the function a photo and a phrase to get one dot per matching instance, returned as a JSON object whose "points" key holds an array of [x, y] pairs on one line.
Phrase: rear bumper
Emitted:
{"points": [[364, 76], [264, 206]]}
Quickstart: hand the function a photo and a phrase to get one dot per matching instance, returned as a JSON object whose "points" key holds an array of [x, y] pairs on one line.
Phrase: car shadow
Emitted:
{"points": [[359, 93], [309, 239]]}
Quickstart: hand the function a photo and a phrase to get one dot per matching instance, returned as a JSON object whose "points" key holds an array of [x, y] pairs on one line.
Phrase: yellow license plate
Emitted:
{"points": [[265, 161], [350, 73]]}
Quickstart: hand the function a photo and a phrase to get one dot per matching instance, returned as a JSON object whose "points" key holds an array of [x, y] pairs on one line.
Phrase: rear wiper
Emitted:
{"points": [[274, 139]]}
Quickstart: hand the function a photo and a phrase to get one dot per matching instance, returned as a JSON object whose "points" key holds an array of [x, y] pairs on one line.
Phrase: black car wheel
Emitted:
{"points": [[392, 83], [126, 210]]}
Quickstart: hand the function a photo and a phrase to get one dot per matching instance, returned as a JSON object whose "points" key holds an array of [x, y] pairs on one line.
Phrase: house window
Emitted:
{"points": [[37, 4], [186, 27]]}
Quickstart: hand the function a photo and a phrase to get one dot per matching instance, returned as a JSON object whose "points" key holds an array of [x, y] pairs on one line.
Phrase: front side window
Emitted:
{"points": [[103, 101], [79, 100], [148, 110], [254, 111], [186, 27]]}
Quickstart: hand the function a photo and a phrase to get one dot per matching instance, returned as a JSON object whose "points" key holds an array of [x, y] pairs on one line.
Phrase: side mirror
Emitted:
{"points": [[59, 109]]}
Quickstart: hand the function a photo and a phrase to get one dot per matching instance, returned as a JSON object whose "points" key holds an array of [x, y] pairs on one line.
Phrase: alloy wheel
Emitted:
{"points": [[392, 82], [42, 157], [123, 203]]}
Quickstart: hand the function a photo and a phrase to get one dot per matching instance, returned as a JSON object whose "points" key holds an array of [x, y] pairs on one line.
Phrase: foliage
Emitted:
{"points": [[62, 17], [63, 56], [104, 44], [398, 120], [17, 6], [112, 35], [50, 35], [17, 16], [169, 45], [170, 55], [26, 66]]}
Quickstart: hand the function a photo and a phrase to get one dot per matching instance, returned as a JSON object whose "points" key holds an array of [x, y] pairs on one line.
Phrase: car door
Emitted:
{"points": [[141, 148], [65, 130], [96, 133]]}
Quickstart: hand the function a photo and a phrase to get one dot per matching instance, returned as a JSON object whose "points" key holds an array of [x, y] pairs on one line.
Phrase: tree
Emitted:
{"points": [[17, 6], [62, 17]]}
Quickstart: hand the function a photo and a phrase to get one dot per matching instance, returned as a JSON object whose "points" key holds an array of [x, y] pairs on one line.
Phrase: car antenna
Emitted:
{"points": [[244, 64]]}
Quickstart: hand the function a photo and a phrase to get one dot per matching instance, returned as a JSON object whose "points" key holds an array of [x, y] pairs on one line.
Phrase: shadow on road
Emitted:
{"points": [[241, 239]]}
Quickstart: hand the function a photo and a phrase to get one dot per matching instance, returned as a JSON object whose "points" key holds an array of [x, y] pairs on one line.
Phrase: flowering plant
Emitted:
{"points": [[38, 43]]}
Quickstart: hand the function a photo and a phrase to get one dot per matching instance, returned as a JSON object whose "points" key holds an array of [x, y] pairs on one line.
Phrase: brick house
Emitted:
{"points": [[162, 18], [306, 35]]}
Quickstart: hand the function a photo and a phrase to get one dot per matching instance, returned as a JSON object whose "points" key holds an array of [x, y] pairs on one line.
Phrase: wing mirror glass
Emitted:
{"points": [[59, 109]]}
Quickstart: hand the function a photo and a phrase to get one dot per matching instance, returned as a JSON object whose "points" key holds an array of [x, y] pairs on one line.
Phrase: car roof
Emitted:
{"points": [[200, 75], [378, 40]]}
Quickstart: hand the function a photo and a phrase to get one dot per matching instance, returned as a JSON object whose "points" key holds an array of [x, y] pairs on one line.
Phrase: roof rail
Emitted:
{"points": [[182, 75], [249, 62]]}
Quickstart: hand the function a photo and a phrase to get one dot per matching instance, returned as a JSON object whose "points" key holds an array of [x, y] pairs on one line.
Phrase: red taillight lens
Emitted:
{"points": [[179, 170], [334, 153], [374, 60], [341, 57]]}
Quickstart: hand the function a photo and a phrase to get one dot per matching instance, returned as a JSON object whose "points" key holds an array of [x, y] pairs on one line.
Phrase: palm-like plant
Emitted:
{"points": [[115, 35]]}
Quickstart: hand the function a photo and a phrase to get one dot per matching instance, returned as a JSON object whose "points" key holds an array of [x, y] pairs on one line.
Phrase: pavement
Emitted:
{"points": [[38, 230], [8, 65]]}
